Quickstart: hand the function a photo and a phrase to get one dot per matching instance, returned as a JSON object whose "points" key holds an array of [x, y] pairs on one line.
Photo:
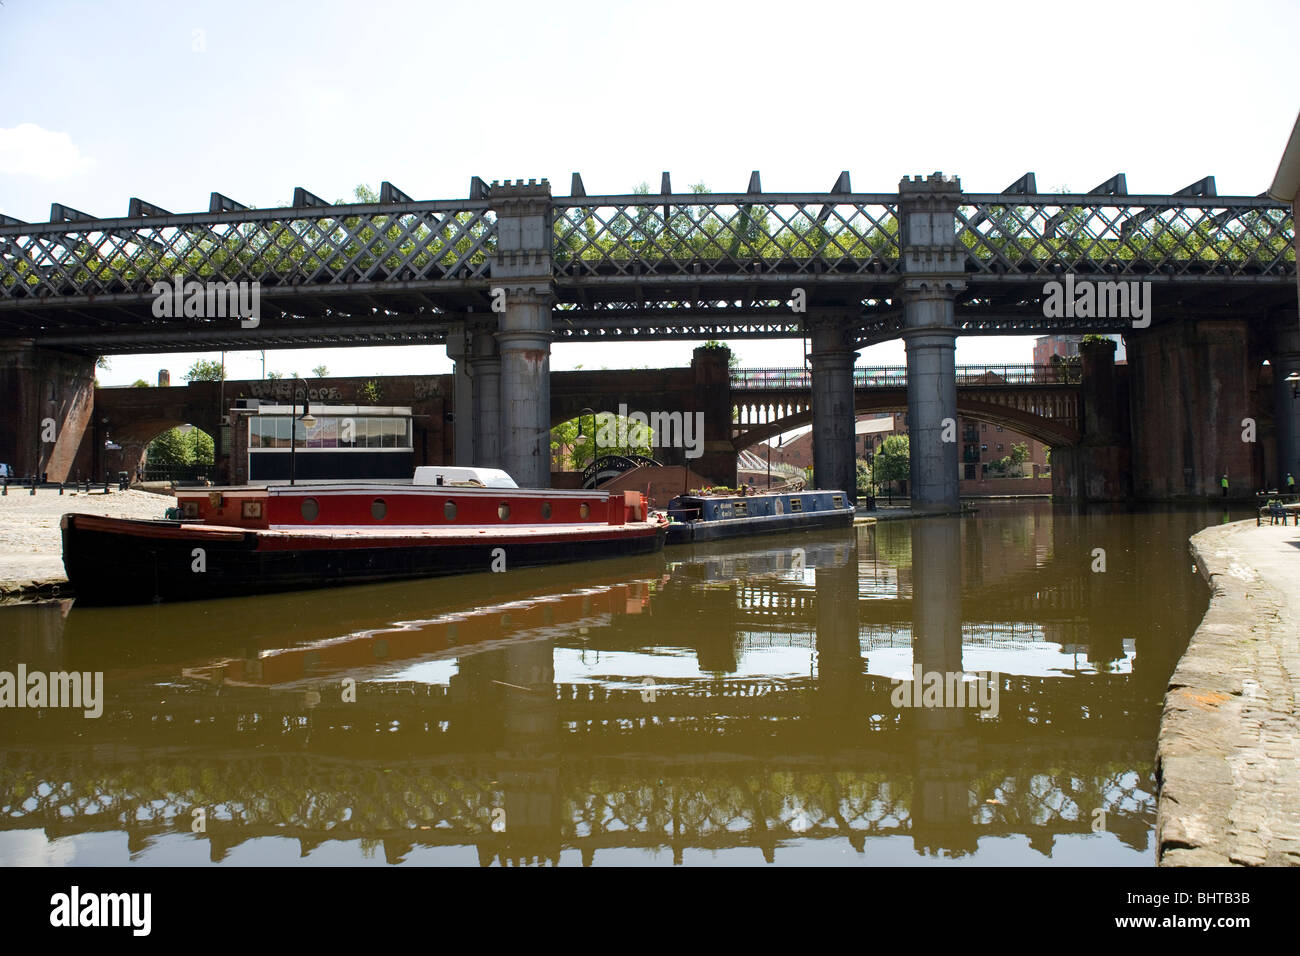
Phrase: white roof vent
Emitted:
{"points": [[452, 475]]}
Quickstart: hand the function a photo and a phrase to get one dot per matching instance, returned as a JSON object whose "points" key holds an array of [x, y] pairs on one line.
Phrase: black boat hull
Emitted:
{"points": [[140, 562]]}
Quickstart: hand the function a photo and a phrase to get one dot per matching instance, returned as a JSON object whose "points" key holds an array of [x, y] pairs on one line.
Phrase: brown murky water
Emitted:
{"points": [[733, 704]]}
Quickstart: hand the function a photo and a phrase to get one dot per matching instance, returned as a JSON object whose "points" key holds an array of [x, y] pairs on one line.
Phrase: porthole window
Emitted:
{"points": [[449, 510], [379, 509], [310, 509], [503, 511], [546, 511], [584, 511]]}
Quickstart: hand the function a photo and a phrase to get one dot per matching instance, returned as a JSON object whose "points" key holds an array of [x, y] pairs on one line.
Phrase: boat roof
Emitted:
{"points": [[455, 474]]}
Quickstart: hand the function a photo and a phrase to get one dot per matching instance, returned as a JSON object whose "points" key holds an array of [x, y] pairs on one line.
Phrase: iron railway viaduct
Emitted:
{"points": [[500, 276]]}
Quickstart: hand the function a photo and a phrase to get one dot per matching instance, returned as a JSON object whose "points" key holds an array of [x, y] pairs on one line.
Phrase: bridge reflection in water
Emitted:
{"points": [[732, 698]]}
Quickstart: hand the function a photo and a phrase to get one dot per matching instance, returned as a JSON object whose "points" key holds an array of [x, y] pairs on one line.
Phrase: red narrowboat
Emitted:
{"points": [[255, 540]]}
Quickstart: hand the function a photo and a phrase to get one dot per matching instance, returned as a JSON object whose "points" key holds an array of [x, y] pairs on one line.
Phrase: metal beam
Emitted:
{"points": [[220, 203], [139, 209], [388, 193], [575, 188], [62, 213], [302, 198]]}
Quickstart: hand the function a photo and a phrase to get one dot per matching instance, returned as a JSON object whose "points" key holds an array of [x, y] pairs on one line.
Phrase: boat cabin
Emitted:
{"points": [[723, 507]]}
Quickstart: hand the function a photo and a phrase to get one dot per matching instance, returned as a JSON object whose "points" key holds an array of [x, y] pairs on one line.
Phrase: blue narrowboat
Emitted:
{"points": [[696, 518]]}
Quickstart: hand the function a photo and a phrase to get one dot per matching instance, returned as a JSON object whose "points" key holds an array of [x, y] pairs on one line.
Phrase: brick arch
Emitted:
{"points": [[1045, 430]]}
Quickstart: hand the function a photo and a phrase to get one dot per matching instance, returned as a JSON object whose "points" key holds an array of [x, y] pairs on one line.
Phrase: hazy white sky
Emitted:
{"points": [[169, 101]]}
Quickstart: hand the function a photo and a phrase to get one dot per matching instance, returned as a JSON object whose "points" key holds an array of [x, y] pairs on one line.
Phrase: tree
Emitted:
{"points": [[320, 371], [274, 375], [200, 447], [169, 448], [613, 435], [1019, 453], [733, 360], [893, 460], [205, 370], [371, 392], [140, 383]]}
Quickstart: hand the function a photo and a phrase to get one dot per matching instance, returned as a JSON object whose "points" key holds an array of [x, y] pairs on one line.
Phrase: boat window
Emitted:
{"points": [[189, 509], [503, 511], [780, 506], [584, 511], [796, 504], [741, 509], [546, 510], [251, 509], [449, 510], [310, 509], [379, 509], [839, 500]]}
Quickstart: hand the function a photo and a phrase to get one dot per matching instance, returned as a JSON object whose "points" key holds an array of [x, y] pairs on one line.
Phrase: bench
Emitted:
{"points": [[1274, 511]]}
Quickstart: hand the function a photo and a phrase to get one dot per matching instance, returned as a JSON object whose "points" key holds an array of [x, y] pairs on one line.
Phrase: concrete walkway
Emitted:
{"points": [[1229, 751], [31, 545]]}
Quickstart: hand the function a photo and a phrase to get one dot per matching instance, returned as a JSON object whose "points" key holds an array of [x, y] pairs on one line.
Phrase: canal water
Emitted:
{"points": [[978, 690]]}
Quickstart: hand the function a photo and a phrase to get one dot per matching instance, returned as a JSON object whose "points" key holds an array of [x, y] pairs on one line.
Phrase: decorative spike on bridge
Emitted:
{"points": [[302, 198], [138, 209], [388, 193]]}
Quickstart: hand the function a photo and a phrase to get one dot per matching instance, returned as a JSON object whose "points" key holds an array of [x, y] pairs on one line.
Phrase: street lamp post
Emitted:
{"points": [[307, 420], [582, 439]]}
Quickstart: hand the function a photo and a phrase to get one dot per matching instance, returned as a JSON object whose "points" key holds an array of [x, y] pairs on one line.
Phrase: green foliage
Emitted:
{"points": [[273, 376], [200, 447], [1019, 453], [1092, 338], [863, 473], [569, 454], [371, 392], [140, 383], [102, 362], [320, 371], [169, 448], [893, 462], [175, 447], [205, 370]]}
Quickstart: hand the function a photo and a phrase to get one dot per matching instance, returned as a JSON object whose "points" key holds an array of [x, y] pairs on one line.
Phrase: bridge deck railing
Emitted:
{"points": [[342, 244], [891, 376]]}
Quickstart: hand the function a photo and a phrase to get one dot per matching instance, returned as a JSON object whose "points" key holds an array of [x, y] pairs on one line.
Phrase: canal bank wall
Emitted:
{"points": [[1228, 757]]}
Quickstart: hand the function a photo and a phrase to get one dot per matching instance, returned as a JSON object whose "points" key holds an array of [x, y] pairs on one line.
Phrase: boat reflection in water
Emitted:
{"points": [[722, 699]]}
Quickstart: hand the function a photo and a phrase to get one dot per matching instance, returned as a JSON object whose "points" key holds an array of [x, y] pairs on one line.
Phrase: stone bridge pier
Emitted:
{"points": [[47, 400], [934, 270], [832, 357]]}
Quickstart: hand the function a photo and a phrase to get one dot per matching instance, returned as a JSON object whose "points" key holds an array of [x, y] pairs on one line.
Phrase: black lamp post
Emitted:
{"points": [[582, 439], [307, 421]]}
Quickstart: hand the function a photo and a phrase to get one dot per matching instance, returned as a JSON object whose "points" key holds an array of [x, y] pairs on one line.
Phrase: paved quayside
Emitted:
{"points": [[1229, 749], [31, 547]]}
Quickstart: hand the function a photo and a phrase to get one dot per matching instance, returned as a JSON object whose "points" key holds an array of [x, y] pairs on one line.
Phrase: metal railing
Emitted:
{"points": [[895, 376]]}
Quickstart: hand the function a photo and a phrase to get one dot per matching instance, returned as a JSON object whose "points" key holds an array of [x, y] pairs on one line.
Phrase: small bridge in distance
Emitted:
{"points": [[1042, 401]]}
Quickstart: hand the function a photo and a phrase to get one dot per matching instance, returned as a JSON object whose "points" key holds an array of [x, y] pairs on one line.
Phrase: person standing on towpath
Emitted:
{"points": [[1223, 482]]}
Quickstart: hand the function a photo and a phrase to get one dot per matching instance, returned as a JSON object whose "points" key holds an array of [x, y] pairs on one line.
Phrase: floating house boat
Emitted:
{"points": [[251, 540], [710, 517]]}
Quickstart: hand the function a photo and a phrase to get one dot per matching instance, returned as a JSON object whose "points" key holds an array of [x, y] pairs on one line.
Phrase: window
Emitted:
{"points": [[741, 509], [310, 509], [999, 428], [449, 510], [584, 511], [379, 509], [984, 447], [546, 511], [503, 511], [838, 500], [796, 505], [984, 427], [999, 443]]}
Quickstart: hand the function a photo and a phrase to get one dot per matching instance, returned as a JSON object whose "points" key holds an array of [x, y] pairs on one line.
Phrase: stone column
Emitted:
{"points": [[934, 269], [459, 350], [712, 399], [522, 294], [832, 356], [1286, 407], [485, 385], [46, 404]]}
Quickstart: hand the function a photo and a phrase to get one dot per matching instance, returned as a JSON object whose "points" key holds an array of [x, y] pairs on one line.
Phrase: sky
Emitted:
{"points": [[169, 101]]}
